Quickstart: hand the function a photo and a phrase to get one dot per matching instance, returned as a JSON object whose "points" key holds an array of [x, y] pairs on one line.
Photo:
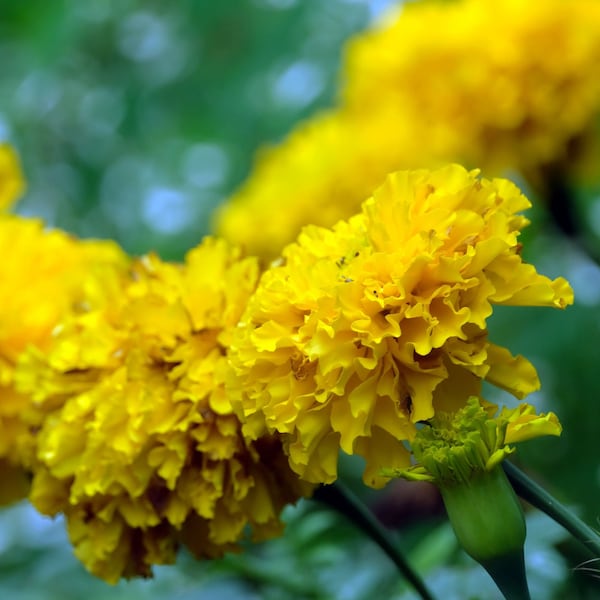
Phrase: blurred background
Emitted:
{"points": [[133, 121]]}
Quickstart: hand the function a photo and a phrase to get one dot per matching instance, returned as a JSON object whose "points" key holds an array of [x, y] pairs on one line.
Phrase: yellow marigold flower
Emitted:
{"points": [[43, 276], [370, 327], [12, 183], [145, 452], [501, 84]]}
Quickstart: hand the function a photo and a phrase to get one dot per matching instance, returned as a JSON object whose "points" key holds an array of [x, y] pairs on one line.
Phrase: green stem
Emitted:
{"points": [[508, 573], [561, 206], [540, 498], [342, 500]]}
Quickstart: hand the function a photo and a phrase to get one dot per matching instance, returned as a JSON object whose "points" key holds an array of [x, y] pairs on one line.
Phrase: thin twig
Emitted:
{"points": [[540, 498], [342, 500]]}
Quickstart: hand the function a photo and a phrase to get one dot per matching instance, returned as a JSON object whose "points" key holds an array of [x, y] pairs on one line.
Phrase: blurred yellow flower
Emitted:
{"points": [[320, 174], [44, 275], [145, 452], [499, 85], [502, 84], [363, 330], [12, 183]]}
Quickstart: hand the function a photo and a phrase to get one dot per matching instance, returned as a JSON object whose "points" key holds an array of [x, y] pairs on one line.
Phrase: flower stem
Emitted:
{"points": [[508, 573], [561, 206], [341, 499], [540, 498]]}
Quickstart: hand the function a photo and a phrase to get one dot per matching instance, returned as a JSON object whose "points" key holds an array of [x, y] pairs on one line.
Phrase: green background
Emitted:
{"points": [[133, 121]]}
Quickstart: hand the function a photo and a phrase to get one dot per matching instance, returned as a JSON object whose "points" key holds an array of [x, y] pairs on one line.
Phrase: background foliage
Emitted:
{"points": [[133, 121]]}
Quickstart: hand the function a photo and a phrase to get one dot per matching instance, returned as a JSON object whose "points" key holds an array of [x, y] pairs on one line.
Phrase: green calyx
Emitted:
{"points": [[455, 446], [489, 524], [486, 515], [461, 453]]}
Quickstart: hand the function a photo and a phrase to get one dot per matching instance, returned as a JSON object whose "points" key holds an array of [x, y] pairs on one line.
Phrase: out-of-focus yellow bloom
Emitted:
{"points": [[12, 183], [370, 327], [320, 174], [145, 451], [499, 85], [504, 83], [44, 275]]}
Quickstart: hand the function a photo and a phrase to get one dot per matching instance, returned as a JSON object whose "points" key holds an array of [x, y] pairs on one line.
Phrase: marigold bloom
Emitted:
{"points": [[146, 452], [44, 275], [370, 327], [428, 86], [500, 84]]}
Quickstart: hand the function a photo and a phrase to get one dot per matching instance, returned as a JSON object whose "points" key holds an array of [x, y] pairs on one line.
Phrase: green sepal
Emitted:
{"points": [[485, 514], [488, 520]]}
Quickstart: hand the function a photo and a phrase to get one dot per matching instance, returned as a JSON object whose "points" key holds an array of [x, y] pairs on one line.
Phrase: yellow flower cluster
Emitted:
{"points": [[496, 85], [368, 328], [140, 448]]}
